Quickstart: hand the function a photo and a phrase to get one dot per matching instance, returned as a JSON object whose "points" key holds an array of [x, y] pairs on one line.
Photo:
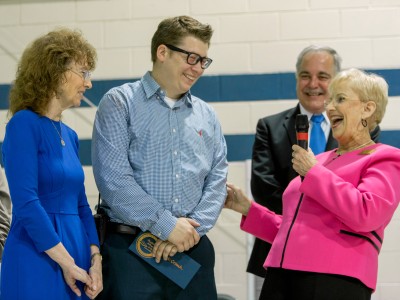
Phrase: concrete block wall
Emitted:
{"points": [[251, 37]]}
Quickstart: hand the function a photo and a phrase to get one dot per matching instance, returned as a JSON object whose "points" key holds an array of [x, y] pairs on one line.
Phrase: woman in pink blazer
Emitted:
{"points": [[326, 243]]}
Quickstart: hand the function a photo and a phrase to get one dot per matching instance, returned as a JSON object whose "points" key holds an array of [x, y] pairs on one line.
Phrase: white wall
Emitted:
{"points": [[251, 36]]}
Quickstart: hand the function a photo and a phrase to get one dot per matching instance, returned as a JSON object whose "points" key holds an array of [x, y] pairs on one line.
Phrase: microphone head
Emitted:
{"points": [[302, 123]]}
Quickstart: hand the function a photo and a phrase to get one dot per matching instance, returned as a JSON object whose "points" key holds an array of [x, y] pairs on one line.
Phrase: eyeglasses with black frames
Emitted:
{"points": [[86, 75], [192, 58]]}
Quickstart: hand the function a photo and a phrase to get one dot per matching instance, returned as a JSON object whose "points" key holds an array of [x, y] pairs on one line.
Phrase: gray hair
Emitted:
{"points": [[337, 60]]}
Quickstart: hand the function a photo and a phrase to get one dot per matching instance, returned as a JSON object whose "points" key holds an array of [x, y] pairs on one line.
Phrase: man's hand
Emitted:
{"points": [[184, 236], [163, 249]]}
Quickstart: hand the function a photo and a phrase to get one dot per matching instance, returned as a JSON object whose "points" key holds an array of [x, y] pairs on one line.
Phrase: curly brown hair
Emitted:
{"points": [[41, 69]]}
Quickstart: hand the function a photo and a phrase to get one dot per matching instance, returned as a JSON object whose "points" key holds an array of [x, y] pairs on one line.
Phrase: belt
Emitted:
{"points": [[122, 228]]}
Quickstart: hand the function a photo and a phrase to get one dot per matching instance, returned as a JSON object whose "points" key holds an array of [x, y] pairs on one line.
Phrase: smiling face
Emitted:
{"points": [[171, 70], [71, 91], [313, 77], [345, 111]]}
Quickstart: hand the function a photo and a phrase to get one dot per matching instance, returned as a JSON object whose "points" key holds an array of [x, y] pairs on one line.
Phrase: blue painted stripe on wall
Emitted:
{"points": [[239, 146], [228, 87], [4, 91], [390, 137]]}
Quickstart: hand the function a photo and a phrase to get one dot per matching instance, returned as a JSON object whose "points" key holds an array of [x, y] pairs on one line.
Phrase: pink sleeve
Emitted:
{"points": [[261, 222], [363, 197]]}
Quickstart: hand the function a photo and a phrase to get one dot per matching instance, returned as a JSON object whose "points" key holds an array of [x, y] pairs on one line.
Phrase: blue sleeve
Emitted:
{"points": [[113, 172], [214, 191], [85, 213], [20, 158]]}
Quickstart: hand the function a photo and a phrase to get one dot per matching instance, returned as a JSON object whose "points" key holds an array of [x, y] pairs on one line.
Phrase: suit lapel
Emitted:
{"points": [[290, 124]]}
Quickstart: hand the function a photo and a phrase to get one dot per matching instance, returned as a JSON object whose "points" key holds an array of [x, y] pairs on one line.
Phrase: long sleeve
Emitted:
{"points": [[20, 156], [154, 163], [207, 211], [84, 210], [261, 222], [85, 214], [114, 174], [367, 199]]}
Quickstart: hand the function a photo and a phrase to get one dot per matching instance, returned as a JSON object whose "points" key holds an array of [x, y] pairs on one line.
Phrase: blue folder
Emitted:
{"points": [[180, 268]]}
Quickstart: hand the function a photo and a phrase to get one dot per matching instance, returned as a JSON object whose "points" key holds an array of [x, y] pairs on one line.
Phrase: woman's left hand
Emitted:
{"points": [[237, 200], [302, 160], [95, 273]]}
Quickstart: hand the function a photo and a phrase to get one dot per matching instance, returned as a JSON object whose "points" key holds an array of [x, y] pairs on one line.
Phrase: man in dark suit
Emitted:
{"points": [[272, 150]]}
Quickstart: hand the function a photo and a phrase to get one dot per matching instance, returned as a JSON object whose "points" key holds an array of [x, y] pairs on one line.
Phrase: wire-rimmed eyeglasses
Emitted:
{"points": [[192, 58], [86, 75]]}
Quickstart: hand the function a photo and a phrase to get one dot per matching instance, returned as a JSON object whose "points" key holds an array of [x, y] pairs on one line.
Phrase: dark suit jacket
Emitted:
{"points": [[272, 170]]}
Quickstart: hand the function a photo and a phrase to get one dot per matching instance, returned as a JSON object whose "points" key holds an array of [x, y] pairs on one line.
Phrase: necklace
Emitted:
{"points": [[59, 133], [340, 152]]}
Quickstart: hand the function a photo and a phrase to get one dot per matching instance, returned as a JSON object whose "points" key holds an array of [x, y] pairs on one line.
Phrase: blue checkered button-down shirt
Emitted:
{"points": [[153, 164]]}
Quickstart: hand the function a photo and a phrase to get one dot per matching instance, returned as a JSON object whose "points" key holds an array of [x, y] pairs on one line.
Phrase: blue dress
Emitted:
{"points": [[46, 183]]}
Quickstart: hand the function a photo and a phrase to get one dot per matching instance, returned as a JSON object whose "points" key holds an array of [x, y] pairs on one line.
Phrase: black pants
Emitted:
{"points": [[281, 284], [127, 277]]}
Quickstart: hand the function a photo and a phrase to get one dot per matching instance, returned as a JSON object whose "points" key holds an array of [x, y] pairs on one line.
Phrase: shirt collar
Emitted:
{"points": [[309, 114], [151, 87]]}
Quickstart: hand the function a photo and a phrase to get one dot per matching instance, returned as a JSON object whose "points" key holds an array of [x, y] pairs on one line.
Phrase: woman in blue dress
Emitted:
{"points": [[52, 250]]}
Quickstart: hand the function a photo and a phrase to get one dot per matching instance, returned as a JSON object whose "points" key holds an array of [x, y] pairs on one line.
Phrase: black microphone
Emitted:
{"points": [[302, 131]]}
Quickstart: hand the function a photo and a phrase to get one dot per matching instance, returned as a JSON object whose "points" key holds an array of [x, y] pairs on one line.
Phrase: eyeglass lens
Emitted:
{"points": [[86, 75], [193, 58]]}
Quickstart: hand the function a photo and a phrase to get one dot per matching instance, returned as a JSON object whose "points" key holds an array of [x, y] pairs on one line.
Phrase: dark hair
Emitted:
{"points": [[173, 30], [42, 68]]}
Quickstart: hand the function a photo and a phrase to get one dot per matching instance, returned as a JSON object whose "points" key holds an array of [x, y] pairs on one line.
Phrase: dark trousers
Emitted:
{"points": [[281, 284], [127, 277]]}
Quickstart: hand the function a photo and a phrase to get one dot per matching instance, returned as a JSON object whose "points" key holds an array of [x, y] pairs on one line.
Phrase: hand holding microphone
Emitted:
{"points": [[303, 159], [302, 126]]}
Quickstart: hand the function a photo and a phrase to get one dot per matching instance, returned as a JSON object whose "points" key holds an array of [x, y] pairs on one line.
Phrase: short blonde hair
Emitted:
{"points": [[368, 87]]}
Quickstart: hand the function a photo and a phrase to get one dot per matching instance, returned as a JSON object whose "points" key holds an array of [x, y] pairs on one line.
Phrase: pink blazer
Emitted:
{"points": [[333, 222]]}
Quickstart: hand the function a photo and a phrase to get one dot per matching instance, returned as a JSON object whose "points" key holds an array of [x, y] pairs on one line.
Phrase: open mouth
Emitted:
{"points": [[336, 121]]}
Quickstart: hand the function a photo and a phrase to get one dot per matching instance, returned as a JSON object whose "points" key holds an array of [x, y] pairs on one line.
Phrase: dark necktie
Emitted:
{"points": [[317, 139]]}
